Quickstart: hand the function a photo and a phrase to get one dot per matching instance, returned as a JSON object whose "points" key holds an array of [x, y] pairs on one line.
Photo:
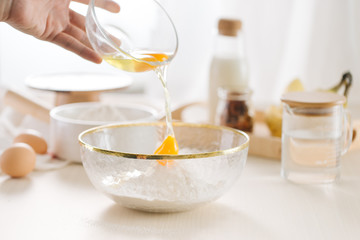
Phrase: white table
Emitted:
{"points": [[62, 204]]}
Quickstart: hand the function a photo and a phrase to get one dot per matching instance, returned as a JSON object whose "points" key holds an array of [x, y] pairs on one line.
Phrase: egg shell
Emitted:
{"points": [[34, 139], [18, 160]]}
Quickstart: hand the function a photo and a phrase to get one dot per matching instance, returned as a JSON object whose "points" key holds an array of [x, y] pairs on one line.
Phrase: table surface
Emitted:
{"points": [[62, 204]]}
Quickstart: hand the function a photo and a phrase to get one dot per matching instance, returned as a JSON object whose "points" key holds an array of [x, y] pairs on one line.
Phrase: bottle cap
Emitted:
{"points": [[313, 99], [234, 95], [229, 27]]}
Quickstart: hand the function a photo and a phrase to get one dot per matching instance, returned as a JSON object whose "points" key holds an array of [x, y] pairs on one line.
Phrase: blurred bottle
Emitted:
{"points": [[235, 109], [229, 67]]}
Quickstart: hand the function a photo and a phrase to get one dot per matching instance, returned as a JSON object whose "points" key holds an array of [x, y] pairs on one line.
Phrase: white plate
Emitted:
{"points": [[78, 82]]}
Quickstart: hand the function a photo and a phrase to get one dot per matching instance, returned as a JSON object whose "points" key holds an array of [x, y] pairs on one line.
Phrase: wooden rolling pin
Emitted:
{"points": [[27, 105]]}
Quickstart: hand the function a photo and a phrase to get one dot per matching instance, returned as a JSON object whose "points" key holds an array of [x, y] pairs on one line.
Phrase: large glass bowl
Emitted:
{"points": [[119, 162]]}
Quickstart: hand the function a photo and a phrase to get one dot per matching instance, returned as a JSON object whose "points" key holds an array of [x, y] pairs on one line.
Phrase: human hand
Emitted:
{"points": [[55, 22]]}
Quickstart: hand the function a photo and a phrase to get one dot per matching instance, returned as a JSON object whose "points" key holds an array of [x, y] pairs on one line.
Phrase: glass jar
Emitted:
{"points": [[316, 132], [235, 109]]}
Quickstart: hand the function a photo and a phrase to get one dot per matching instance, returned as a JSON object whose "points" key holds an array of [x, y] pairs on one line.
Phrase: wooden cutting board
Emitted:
{"points": [[264, 145]]}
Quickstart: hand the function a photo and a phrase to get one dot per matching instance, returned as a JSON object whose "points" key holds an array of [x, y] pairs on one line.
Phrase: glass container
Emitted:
{"points": [[316, 132], [119, 161], [229, 65], [235, 110]]}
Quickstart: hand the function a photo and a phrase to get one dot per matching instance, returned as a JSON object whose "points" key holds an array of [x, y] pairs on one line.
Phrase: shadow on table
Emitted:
{"points": [[214, 220], [74, 175], [12, 186]]}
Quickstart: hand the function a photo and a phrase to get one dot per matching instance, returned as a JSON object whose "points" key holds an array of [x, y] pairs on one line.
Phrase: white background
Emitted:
{"points": [[315, 40]]}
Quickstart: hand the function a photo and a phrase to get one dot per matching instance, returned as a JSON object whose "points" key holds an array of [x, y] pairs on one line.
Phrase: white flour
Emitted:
{"points": [[179, 186], [106, 113]]}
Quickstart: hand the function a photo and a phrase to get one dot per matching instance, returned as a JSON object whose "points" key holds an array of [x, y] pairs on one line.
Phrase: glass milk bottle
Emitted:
{"points": [[228, 68], [316, 132]]}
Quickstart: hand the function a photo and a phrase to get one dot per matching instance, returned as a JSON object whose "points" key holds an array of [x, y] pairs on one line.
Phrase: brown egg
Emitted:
{"points": [[34, 139], [18, 160]]}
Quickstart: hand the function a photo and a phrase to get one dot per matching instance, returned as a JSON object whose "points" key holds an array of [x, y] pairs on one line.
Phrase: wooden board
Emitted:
{"points": [[264, 145]]}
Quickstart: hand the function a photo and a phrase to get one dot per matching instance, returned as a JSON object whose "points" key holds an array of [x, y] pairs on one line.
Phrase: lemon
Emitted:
{"points": [[273, 119], [273, 115], [294, 86]]}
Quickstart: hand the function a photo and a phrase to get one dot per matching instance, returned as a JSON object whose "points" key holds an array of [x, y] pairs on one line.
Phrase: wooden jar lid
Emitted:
{"points": [[229, 27], [313, 99]]}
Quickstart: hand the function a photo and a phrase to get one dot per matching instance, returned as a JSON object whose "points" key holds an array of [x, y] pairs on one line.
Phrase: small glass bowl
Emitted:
{"points": [[119, 161], [141, 26]]}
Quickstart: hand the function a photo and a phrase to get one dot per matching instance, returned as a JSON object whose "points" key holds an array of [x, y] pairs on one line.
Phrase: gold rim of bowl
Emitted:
{"points": [[163, 157]]}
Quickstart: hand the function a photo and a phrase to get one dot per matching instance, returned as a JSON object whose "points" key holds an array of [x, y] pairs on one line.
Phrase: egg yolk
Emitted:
{"points": [[141, 64], [168, 146], [153, 57]]}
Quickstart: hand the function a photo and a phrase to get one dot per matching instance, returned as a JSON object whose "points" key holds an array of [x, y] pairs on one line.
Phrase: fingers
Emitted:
{"points": [[78, 34], [74, 37], [76, 28], [109, 5], [77, 19], [72, 44]]}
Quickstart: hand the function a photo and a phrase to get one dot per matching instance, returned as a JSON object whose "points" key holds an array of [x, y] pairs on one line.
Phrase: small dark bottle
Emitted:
{"points": [[235, 109]]}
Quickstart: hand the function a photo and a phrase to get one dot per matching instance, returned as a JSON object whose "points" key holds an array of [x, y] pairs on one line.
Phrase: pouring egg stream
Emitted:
{"points": [[142, 64]]}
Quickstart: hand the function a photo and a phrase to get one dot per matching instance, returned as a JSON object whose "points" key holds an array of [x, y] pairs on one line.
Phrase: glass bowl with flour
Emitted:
{"points": [[119, 161]]}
